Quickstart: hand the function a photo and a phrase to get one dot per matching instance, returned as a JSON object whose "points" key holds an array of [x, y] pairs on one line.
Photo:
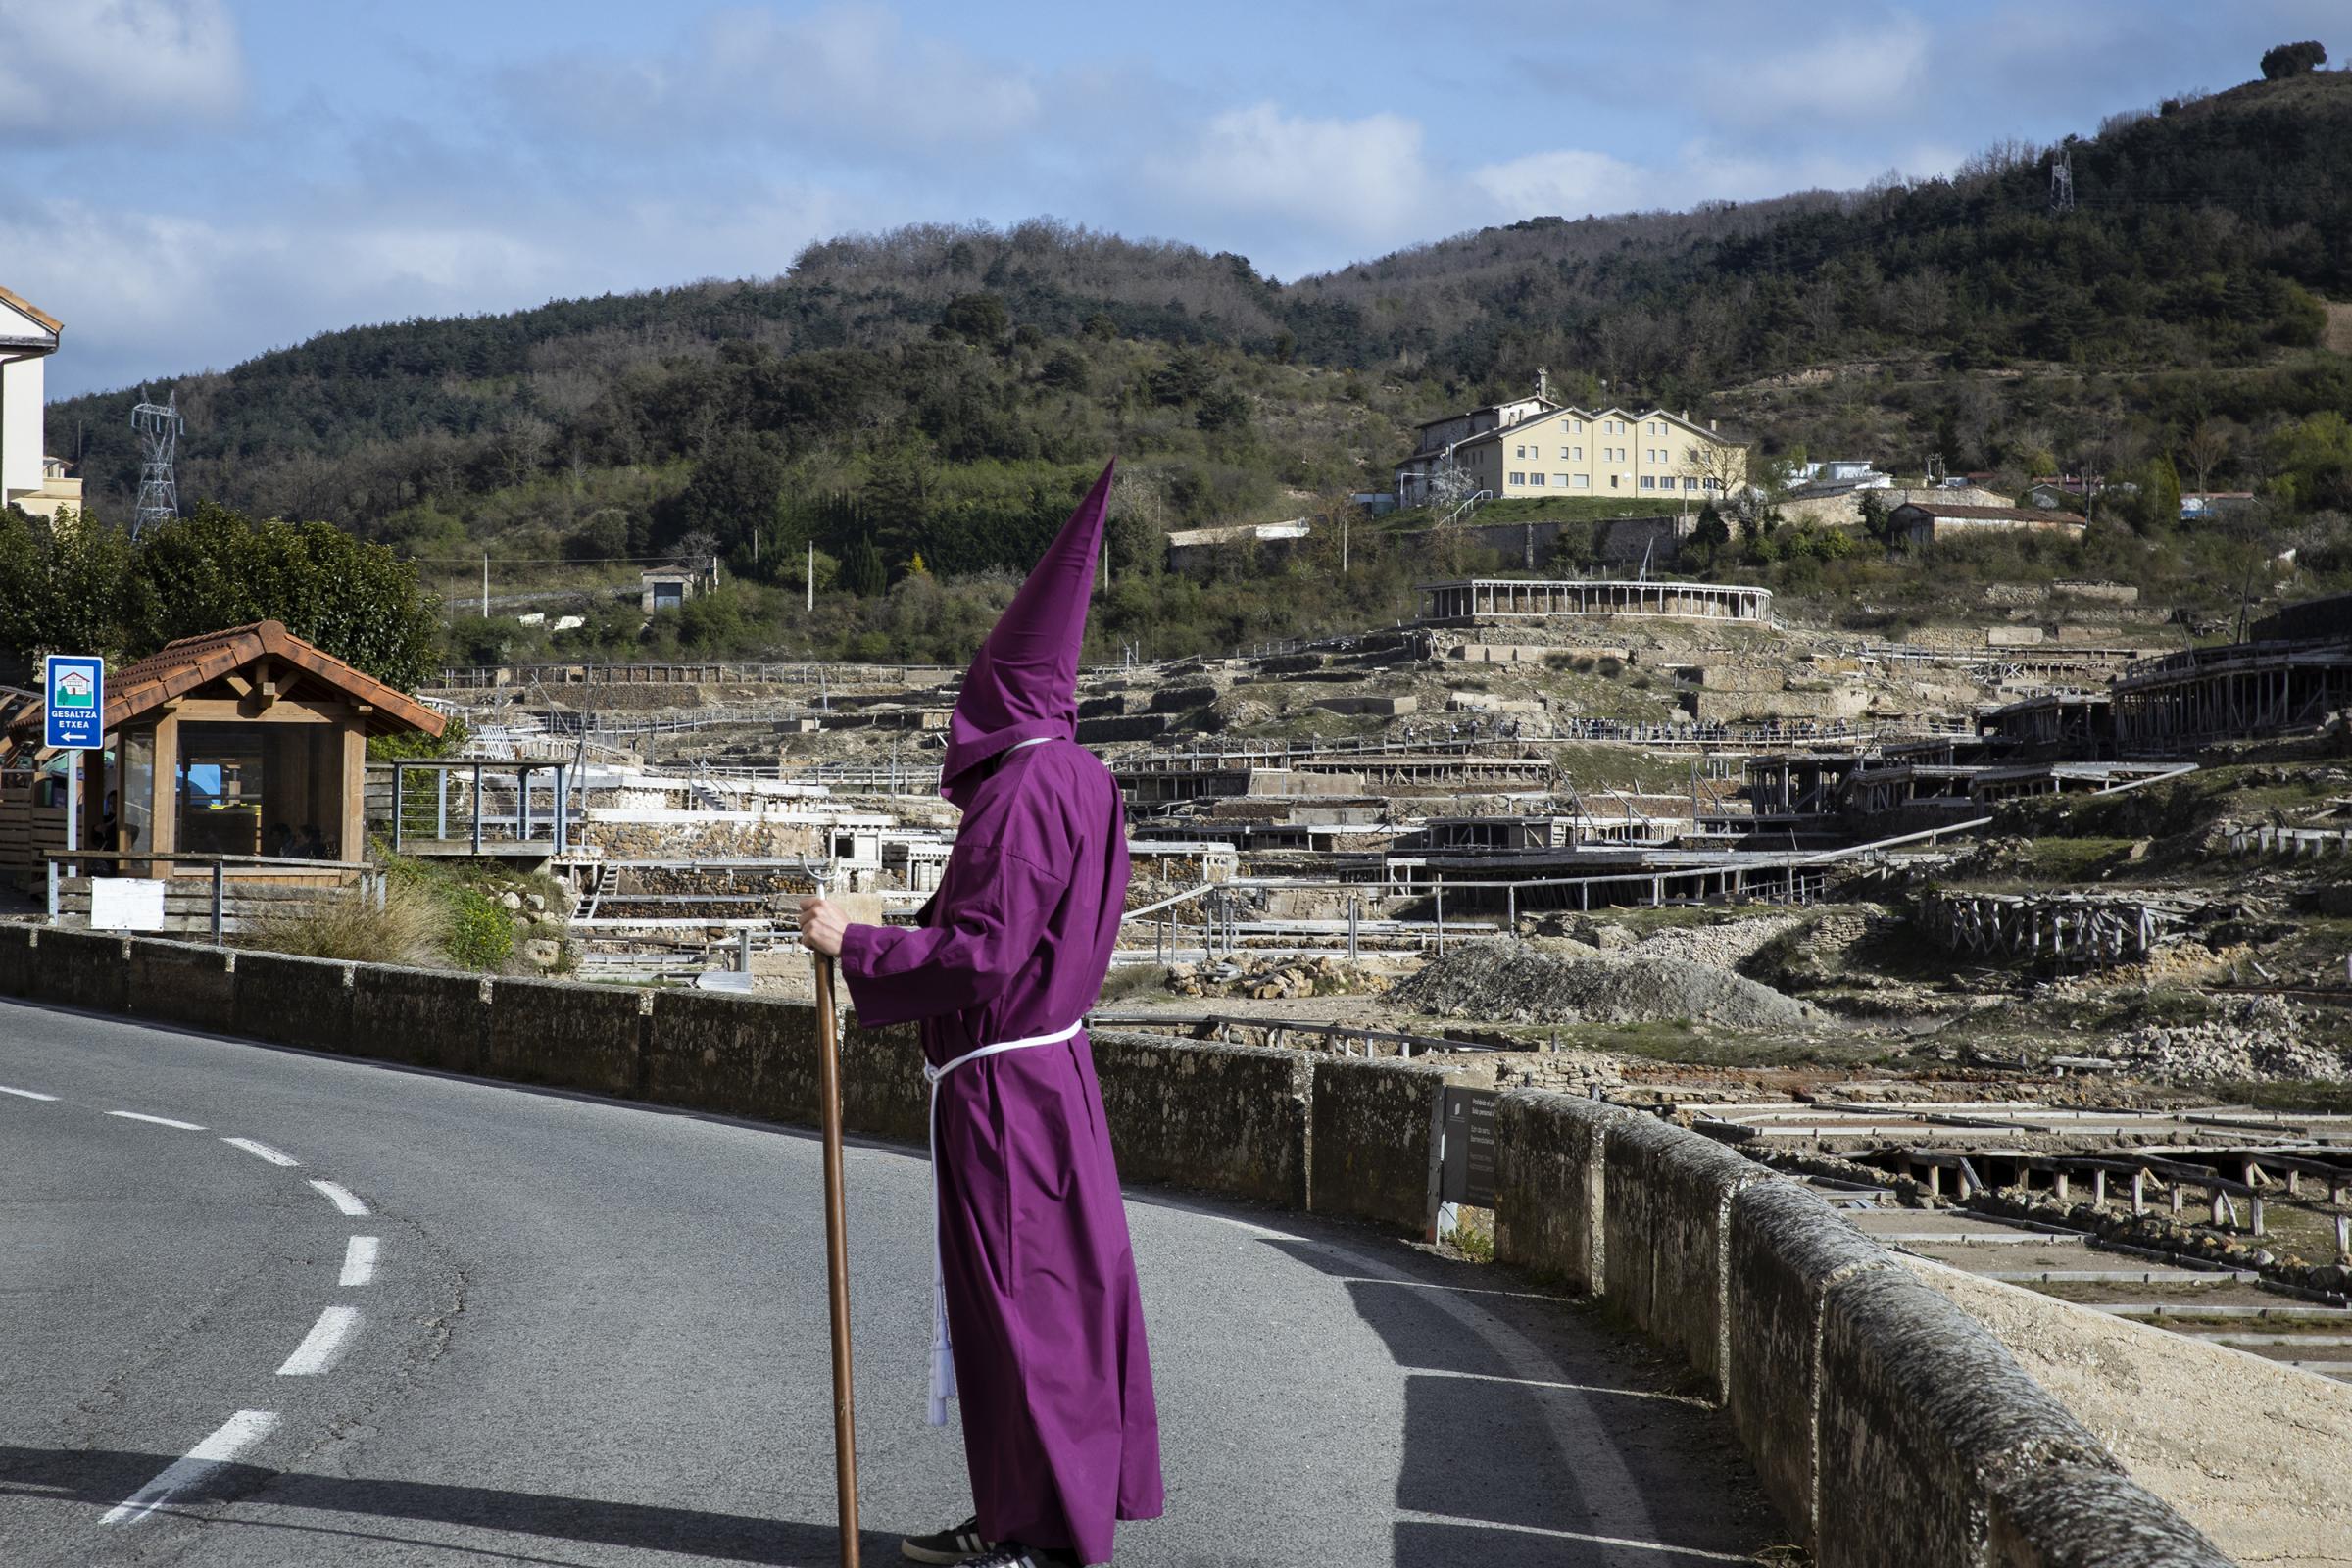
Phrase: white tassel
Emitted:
{"points": [[942, 1358], [943, 1354]]}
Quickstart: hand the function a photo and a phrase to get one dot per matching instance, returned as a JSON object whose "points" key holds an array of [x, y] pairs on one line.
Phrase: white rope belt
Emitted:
{"points": [[943, 1359]]}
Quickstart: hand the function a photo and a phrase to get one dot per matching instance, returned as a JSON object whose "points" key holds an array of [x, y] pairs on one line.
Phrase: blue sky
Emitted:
{"points": [[188, 182]]}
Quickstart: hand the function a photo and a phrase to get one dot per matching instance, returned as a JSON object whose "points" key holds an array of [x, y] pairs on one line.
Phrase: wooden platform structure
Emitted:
{"points": [[1480, 598], [2236, 691], [2057, 930]]}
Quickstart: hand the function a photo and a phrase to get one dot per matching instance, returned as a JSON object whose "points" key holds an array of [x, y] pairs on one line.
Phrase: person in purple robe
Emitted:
{"points": [[1038, 1321]]}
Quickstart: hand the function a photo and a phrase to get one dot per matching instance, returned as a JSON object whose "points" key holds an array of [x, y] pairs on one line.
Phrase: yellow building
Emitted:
{"points": [[1580, 453]]}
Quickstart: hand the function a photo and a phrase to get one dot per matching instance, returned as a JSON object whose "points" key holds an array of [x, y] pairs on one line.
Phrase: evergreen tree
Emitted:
{"points": [[863, 573]]}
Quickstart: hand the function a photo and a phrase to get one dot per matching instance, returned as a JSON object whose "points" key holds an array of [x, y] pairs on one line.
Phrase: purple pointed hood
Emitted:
{"points": [[1023, 683]]}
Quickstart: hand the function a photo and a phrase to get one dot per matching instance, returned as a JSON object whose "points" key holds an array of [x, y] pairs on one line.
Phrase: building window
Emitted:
{"points": [[1613, 481], [1690, 484], [1648, 484], [1576, 453], [1536, 479], [1583, 481], [1518, 478]]}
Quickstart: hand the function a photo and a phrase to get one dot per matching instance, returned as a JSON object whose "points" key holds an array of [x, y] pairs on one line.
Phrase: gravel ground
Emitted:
{"points": [[1512, 982]]}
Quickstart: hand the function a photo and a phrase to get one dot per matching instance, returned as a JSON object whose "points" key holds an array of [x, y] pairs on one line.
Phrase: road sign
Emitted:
{"points": [[75, 693], [1468, 1120]]}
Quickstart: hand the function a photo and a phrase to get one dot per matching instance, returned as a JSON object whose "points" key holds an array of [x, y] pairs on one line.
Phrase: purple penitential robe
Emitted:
{"points": [[1042, 1308]]}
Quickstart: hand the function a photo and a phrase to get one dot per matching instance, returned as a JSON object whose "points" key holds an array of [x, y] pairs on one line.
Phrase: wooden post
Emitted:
{"points": [[2139, 1193], [837, 1263]]}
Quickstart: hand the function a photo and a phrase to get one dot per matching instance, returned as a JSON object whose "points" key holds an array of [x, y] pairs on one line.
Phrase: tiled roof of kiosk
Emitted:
{"points": [[178, 668]]}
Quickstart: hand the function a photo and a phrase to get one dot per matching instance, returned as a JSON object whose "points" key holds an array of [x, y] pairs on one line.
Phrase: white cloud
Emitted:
{"points": [[850, 76], [1844, 74], [1361, 179], [1569, 182], [237, 288], [72, 70]]}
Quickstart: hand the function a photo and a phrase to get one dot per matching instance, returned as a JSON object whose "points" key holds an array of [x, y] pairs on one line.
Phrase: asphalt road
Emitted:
{"points": [[593, 1333]]}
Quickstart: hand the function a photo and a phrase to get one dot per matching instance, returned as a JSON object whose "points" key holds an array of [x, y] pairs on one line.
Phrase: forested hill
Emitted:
{"points": [[937, 367]]}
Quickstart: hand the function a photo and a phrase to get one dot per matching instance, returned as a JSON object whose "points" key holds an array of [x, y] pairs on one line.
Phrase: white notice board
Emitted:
{"points": [[126, 903]]}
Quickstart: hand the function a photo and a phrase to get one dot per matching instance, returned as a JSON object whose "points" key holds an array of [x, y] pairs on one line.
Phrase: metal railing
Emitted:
{"points": [[465, 808], [62, 870]]}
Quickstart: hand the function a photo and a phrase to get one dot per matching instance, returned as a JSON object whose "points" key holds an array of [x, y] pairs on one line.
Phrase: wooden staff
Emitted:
{"points": [[837, 1260]]}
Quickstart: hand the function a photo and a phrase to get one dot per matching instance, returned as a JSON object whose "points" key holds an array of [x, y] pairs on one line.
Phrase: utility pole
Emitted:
{"points": [[485, 586], [812, 576]]}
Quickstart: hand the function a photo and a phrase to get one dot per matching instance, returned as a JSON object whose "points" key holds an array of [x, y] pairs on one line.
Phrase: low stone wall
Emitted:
{"points": [[1887, 1423], [418, 1017], [1369, 1136], [182, 983], [1223, 1118], [2193, 1421], [739, 1055]]}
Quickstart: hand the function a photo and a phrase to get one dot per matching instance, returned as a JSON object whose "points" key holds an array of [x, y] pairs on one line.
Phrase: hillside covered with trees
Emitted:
{"points": [[923, 406]]}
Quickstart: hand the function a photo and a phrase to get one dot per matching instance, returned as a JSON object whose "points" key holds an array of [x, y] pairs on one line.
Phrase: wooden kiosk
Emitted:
{"points": [[244, 742]]}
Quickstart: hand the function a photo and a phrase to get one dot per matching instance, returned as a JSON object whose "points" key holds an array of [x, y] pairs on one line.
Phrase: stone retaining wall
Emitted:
{"points": [[1888, 1423]]}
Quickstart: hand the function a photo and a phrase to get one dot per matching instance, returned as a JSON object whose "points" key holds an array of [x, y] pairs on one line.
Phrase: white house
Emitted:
{"points": [[27, 336]]}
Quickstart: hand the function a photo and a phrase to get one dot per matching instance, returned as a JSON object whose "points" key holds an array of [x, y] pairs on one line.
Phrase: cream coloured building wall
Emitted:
{"points": [[1613, 453]]}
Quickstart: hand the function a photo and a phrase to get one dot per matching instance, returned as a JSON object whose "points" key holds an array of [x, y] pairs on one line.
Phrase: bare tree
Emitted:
{"points": [[1449, 484], [2206, 448], [1721, 467]]}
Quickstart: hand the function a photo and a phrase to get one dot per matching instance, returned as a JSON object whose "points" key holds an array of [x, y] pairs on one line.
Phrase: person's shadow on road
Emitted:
{"points": [[101, 1479]]}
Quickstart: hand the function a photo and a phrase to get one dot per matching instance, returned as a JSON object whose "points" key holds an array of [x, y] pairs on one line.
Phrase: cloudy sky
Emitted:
{"points": [[187, 182]]}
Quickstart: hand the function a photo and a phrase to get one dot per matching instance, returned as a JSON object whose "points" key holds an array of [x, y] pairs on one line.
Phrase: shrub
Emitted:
{"points": [[344, 925], [482, 934]]}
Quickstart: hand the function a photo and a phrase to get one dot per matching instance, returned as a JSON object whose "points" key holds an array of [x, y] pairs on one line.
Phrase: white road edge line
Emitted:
{"points": [[237, 1434], [262, 1150], [359, 1260], [323, 1345], [160, 1121], [1624, 1541], [25, 1093], [341, 1197]]}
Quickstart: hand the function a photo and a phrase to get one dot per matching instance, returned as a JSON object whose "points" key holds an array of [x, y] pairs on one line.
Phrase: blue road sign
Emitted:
{"points": [[76, 702]]}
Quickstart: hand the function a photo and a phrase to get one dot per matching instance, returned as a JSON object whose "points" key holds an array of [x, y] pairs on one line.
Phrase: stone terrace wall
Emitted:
{"points": [[1888, 1423]]}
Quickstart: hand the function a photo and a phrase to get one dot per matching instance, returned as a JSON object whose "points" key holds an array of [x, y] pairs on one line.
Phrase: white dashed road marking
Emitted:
{"points": [[242, 1432], [359, 1260], [160, 1121], [341, 1197], [24, 1094], [263, 1151], [322, 1347]]}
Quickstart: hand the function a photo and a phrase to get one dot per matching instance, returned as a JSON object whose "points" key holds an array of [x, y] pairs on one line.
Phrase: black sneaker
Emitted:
{"points": [[1013, 1556], [956, 1545]]}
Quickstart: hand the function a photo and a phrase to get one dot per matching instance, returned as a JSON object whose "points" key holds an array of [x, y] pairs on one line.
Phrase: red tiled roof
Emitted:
{"points": [[178, 668]]}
